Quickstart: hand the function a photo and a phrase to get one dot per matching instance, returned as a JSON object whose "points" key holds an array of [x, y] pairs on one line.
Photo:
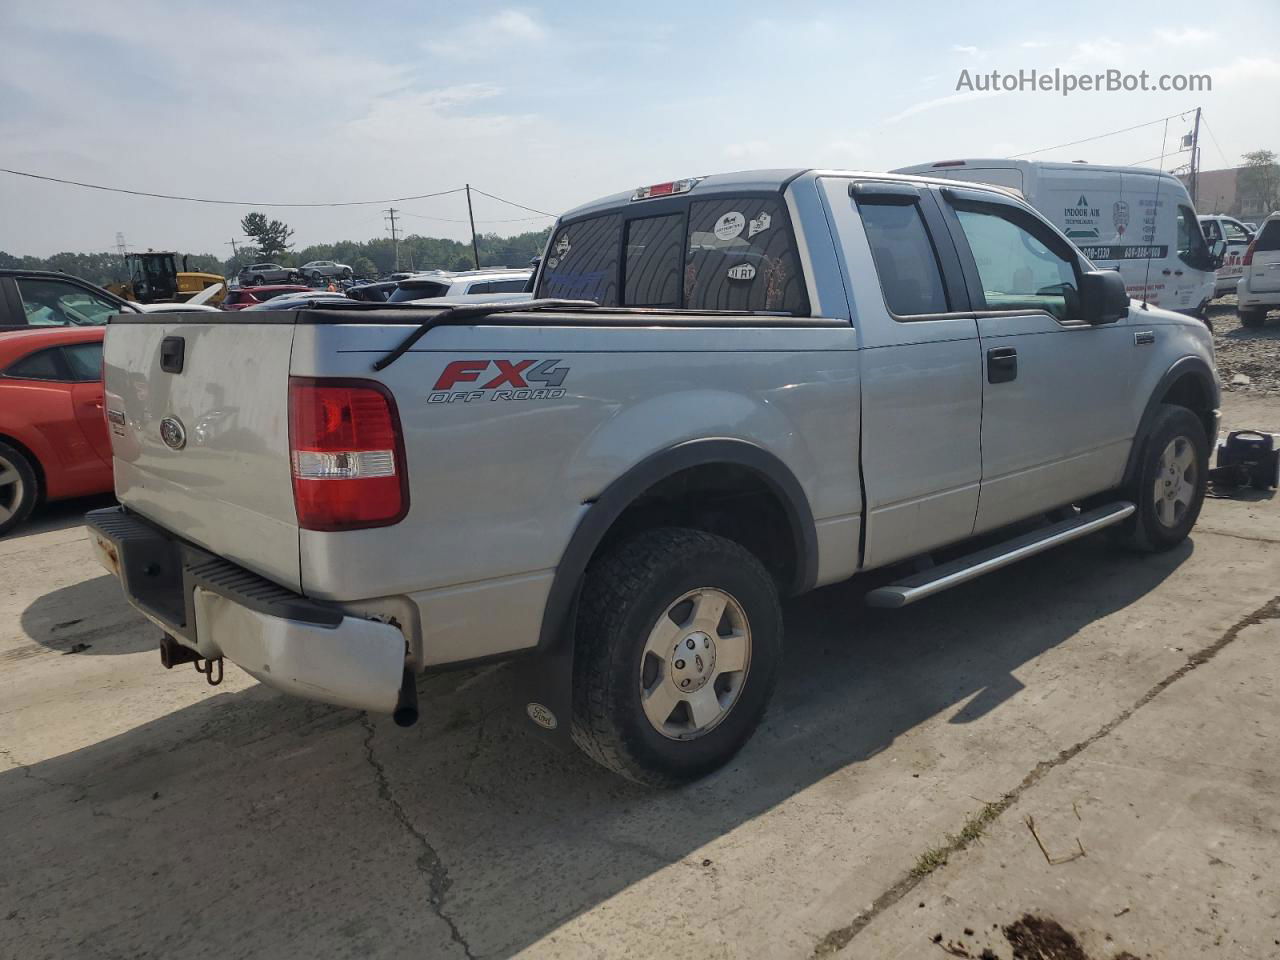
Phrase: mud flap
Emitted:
{"points": [[545, 685]]}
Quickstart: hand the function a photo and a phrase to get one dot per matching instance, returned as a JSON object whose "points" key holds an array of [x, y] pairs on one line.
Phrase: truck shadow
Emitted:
{"points": [[256, 812]]}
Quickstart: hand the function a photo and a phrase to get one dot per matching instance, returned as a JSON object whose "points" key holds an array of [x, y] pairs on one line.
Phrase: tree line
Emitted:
{"points": [[369, 258]]}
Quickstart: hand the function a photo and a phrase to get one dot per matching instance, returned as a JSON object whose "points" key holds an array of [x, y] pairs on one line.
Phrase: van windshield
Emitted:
{"points": [[731, 253]]}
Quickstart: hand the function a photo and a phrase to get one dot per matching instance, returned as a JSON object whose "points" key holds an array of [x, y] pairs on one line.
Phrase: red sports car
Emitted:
{"points": [[53, 437], [243, 297]]}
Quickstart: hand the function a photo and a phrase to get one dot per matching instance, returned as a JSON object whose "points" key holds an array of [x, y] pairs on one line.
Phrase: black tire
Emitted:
{"points": [[625, 594], [1145, 530], [17, 497], [258, 281], [1252, 318]]}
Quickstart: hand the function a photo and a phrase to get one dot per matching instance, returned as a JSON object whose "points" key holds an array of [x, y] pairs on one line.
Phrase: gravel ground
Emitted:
{"points": [[1248, 360]]}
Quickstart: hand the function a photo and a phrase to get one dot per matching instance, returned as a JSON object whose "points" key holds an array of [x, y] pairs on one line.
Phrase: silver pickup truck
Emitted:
{"points": [[727, 390]]}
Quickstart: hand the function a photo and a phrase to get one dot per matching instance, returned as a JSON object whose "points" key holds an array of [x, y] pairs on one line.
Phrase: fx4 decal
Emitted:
{"points": [[523, 380]]}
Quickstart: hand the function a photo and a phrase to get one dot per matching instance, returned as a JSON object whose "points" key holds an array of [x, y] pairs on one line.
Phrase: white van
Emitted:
{"points": [[1237, 236], [1140, 222]]}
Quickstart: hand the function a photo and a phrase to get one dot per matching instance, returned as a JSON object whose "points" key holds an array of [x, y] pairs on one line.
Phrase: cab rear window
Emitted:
{"points": [[734, 253]]}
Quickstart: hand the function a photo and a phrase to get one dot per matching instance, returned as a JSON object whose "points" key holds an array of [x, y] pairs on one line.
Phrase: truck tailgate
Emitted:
{"points": [[204, 451]]}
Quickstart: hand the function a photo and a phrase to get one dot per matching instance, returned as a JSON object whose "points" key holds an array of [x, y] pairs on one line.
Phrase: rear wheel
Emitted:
{"points": [[1253, 318], [1172, 477], [678, 643], [19, 488]]}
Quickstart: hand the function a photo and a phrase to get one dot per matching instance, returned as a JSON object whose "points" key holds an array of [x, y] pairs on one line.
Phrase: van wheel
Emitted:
{"points": [[1172, 477], [679, 637], [1253, 318], [19, 488]]}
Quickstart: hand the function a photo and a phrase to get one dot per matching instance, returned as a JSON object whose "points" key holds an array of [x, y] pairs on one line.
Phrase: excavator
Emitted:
{"points": [[155, 278]]}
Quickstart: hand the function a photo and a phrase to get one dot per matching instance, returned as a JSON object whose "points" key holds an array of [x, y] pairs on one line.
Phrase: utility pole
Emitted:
{"points": [[234, 252], [1195, 157], [121, 247], [395, 239], [475, 249]]}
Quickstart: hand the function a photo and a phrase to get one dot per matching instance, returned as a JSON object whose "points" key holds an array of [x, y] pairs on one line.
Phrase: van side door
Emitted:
{"points": [[1056, 406], [919, 366]]}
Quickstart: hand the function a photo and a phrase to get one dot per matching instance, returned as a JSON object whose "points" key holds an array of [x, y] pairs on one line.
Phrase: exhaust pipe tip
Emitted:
{"points": [[406, 712]]}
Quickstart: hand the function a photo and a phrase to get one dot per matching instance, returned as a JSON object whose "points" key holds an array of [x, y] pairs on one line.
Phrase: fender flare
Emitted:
{"points": [[623, 491], [1196, 367]]}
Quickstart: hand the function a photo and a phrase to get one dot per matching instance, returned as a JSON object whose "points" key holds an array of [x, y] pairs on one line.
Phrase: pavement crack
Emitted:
{"points": [[840, 937], [429, 863]]}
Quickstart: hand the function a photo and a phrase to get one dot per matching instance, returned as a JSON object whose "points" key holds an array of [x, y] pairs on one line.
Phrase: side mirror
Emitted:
{"points": [[1218, 252], [1103, 298]]}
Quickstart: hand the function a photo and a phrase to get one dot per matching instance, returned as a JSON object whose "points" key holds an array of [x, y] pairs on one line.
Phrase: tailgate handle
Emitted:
{"points": [[172, 354]]}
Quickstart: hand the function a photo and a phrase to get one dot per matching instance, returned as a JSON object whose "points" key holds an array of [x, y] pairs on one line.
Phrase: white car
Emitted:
{"points": [[1236, 236], [1259, 287], [324, 269], [475, 285]]}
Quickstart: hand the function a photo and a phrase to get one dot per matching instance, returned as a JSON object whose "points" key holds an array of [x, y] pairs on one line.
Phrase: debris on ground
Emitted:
{"points": [[1248, 358], [1042, 938]]}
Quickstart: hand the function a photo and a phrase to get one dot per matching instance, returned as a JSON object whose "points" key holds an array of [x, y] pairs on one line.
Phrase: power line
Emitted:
{"points": [[423, 216], [229, 203], [1059, 146], [1221, 152], [513, 203]]}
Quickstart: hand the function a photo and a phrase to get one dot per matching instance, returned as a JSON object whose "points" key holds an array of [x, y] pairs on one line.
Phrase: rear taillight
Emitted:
{"points": [[347, 454], [1248, 253]]}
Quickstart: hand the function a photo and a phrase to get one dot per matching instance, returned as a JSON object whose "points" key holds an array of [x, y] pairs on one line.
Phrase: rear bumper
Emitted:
{"points": [[1248, 298], [218, 609]]}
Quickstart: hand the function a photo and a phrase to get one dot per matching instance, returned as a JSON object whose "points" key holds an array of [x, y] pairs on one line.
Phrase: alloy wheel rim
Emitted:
{"points": [[695, 663], [11, 489], [1175, 483]]}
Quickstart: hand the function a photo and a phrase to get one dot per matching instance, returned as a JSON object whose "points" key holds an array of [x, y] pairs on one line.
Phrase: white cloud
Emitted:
{"points": [[966, 50], [1246, 70], [487, 36], [947, 101], [1187, 36], [1033, 44]]}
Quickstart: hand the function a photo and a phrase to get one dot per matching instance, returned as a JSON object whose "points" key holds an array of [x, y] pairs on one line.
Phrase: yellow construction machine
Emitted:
{"points": [[154, 277]]}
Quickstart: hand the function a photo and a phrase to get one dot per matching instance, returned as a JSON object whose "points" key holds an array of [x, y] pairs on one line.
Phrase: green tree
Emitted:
{"points": [[1259, 182], [272, 236]]}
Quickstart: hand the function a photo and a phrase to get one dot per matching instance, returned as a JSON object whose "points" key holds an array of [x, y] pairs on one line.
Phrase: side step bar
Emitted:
{"points": [[964, 569]]}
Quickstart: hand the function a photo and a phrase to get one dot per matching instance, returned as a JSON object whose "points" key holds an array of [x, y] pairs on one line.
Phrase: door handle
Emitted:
{"points": [[1002, 365], [1166, 272], [1177, 273]]}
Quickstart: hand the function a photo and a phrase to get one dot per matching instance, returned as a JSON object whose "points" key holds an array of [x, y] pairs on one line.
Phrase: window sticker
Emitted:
{"points": [[743, 271], [759, 225], [562, 245], [730, 225]]}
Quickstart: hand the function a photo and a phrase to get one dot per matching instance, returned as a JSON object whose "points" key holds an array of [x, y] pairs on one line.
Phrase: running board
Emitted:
{"points": [[964, 569]]}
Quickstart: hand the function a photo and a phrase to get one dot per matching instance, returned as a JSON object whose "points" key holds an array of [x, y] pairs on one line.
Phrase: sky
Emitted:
{"points": [[552, 105]]}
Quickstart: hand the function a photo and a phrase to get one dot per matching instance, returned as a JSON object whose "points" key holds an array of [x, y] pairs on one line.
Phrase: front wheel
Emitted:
{"points": [[1173, 475], [258, 281], [19, 488], [678, 642], [1253, 318]]}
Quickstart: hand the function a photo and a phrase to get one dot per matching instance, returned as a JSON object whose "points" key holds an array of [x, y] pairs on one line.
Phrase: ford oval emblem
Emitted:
{"points": [[173, 433]]}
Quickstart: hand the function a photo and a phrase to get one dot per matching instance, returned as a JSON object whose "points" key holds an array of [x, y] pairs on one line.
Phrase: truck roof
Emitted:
{"points": [[768, 181]]}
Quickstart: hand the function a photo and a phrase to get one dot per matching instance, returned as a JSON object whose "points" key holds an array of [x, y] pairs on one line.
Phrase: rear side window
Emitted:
{"points": [[905, 258], [417, 291], [655, 247], [508, 286], [1269, 238], [41, 365], [742, 256], [582, 261]]}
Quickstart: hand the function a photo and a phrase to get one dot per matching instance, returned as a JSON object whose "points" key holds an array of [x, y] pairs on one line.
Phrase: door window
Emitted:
{"points": [[905, 259], [1211, 231], [1017, 268], [84, 361], [1235, 232], [1192, 250], [57, 303], [41, 365]]}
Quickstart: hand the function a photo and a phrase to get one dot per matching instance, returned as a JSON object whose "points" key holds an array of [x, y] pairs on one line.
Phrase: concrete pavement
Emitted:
{"points": [[143, 813]]}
